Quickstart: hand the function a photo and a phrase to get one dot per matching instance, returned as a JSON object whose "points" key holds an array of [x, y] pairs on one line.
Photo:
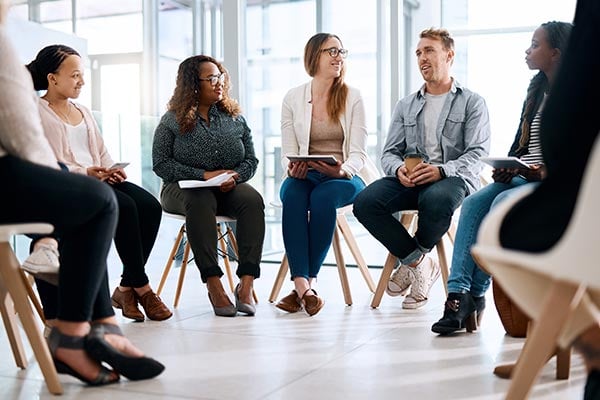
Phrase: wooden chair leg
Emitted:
{"points": [[441, 252], [27, 281], [562, 298], [341, 266], [184, 262], [14, 284], [283, 269], [167, 269], [342, 224], [9, 317], [388, 268]]}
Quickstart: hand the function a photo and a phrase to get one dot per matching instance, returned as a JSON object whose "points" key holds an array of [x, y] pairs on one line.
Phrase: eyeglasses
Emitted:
{"points": [[214, 79], [334, 51]]}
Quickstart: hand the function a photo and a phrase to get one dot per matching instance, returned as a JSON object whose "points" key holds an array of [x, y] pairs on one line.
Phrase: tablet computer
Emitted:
{"points": [[505, 162], [325, 158]]}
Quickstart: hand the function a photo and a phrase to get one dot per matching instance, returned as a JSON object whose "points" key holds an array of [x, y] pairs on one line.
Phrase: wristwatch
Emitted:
{"points": [[442, 172]]}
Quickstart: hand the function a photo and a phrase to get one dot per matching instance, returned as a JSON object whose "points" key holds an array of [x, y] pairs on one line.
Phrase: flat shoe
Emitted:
{"points": [[133, 368], [312, 304], [290, 303], [127, 302]]}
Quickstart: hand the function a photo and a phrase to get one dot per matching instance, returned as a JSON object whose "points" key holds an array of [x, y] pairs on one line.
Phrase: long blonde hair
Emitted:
{"points": [[336, 104]]}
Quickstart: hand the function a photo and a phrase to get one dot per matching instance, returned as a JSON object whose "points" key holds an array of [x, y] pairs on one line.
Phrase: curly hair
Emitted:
{"points": [[557, 34], [336, 104], [48, 61], [186, 96]]}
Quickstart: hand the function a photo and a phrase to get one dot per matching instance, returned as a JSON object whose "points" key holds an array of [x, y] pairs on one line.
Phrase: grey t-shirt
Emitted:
{"points": [[431, 112]]}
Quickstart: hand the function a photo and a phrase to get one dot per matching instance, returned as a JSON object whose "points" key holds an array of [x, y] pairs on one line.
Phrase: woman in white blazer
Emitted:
{"points": [[321, 117]]}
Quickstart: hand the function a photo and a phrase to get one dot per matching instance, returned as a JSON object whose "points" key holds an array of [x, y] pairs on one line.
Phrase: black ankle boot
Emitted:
{"points": [[479, 307], [459, 313]]}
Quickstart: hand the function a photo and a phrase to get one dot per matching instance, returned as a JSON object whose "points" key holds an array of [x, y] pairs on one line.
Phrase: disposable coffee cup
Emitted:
{"points": [[411, 160]]}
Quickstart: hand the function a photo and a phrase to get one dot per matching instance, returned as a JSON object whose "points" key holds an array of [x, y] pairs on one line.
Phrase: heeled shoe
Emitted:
{"points": [[246, 308], [459, 313], [479, 308], [223, 311], [133, 368], [312, 304], [57, 340], [290, 303]]}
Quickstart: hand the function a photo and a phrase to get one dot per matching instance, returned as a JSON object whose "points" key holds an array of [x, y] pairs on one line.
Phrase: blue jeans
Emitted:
{"points": [[436, 202], [465, 275], [307, 238]]}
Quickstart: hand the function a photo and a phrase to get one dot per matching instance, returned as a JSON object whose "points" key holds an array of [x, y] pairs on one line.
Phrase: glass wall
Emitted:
{"points": [[492, 37]]}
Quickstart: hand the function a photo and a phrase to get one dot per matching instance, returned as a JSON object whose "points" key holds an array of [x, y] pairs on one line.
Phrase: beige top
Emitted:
{"points": [[21, 133], [326, 137]]}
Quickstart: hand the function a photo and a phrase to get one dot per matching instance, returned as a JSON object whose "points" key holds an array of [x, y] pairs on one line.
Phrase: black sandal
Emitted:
{"points": [[57, 340], [133, 368]]}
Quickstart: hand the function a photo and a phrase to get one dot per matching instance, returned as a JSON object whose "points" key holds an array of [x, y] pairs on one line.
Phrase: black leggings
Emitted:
{"points": [[84, 214]]}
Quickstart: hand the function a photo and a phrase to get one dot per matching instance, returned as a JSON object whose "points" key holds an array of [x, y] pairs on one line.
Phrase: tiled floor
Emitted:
{"points": [[342, 353]]}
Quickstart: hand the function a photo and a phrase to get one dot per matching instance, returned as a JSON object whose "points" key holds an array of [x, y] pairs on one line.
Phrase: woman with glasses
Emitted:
{"points": [[77, 143], [203, 135], [322, 117]]}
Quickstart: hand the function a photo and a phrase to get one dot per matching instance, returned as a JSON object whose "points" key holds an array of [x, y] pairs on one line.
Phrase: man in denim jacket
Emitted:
{"points": [[447, 126]]}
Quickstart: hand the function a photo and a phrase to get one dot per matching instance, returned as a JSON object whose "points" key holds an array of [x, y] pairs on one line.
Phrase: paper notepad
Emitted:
{"points": [[214, 181]]}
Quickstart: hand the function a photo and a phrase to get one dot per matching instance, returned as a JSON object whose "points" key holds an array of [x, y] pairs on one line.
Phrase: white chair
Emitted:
{"points": [[409, 219], [342, 227], [14, 296], [559, 289], [221, 239]]}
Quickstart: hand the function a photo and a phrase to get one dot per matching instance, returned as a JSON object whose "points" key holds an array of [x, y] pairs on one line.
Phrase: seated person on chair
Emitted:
{"points": [[84, 214], [570, 122], [447, 125], [467, 283], [322, 117], [77, 143], [203, 135]]}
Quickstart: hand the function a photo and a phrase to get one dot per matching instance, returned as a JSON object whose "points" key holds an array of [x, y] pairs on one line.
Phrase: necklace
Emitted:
{"points": [[62, 114]]}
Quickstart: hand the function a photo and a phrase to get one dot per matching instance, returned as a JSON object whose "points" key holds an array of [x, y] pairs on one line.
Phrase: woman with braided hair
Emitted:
{"points": [[467, 283]]}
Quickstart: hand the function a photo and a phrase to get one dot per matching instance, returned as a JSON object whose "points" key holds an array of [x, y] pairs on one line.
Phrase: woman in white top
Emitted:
{"points": [[322, 117], [77, 143]]}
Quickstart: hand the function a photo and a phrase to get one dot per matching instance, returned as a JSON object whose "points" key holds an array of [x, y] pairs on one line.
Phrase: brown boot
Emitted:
{"points": [[153, 306], [127, 302]]}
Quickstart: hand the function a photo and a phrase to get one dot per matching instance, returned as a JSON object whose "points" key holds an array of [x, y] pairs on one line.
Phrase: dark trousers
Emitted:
{"points": [[84, 214], [139, 220], [200, 206], [374, 208]]}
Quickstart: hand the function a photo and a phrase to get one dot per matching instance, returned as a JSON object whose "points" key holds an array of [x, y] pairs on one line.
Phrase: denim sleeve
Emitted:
{"points": [[476, 143], [395, 145]]}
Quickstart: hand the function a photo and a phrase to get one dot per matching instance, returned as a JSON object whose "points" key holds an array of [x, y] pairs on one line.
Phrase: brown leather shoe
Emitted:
{"points": [[154, 308], [312, 304], [127, 302], [290, 303]]}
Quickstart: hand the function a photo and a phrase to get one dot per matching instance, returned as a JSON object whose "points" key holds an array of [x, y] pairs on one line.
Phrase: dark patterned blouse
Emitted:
{"points": [[225, 144]]}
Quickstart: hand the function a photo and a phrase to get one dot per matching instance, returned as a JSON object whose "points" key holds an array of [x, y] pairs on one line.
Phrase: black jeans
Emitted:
{"points": [[84, 214], [375, 205], [200, 206], [139, 220]]}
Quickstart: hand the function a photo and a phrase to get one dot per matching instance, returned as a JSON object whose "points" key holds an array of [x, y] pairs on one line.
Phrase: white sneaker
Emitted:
{"points": [[43, 260], [399, 282], [424, 276]]}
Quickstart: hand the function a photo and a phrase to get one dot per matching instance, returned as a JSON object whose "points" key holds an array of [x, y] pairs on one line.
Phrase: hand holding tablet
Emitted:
{"points": [[119, 165], [505, 162], [331, 160]]}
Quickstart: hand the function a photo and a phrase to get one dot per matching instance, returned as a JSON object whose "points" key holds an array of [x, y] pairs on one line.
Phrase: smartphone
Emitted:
{"points": [[119, 165]]}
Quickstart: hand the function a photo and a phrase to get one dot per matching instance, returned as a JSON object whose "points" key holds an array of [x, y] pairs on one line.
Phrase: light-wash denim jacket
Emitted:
{"points": [[463, 131]]}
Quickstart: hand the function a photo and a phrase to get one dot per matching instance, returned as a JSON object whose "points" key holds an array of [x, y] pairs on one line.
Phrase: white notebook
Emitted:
{"points": [[214, 181]]}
